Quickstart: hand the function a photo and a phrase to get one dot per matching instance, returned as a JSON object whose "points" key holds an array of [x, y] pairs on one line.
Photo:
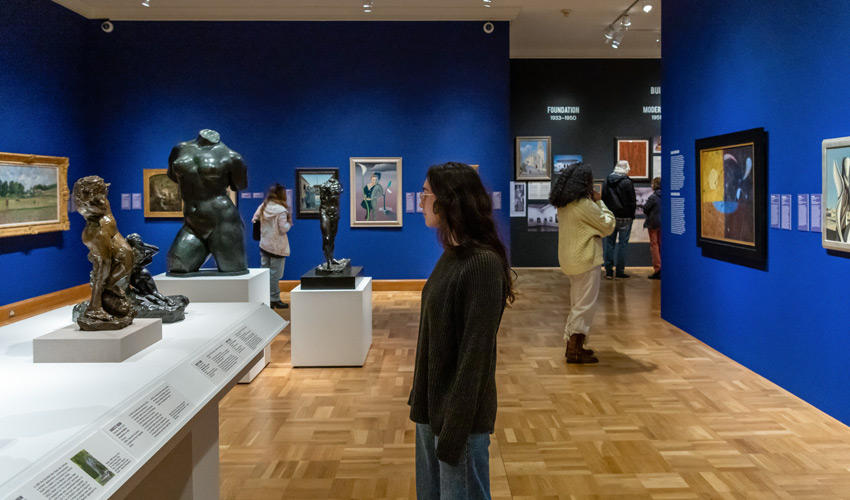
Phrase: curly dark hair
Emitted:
{"points": [[466, 213], [575, 183]]}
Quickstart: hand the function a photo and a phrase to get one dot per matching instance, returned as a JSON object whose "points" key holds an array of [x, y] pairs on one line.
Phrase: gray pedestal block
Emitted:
{"points": [[71, 345]]}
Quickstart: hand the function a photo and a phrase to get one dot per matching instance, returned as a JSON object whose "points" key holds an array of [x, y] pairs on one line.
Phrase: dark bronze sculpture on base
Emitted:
{"points": [[329, 220], [111, 258], [147, 300], [204, 168]]}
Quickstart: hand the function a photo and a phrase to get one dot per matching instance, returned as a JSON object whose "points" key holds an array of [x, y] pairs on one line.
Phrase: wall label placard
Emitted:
{"points": [[815, 211], [785, 202], [802, 212], [563, 113], [775, 222]]}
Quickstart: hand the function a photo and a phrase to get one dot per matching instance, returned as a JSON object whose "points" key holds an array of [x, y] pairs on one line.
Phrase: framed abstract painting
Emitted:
{"points": [[835, 196], [376, 192], [731, 196], [636, 152]]}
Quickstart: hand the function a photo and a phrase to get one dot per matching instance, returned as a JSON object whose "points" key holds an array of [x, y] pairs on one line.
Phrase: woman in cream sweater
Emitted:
{"points": [[583, 220]]}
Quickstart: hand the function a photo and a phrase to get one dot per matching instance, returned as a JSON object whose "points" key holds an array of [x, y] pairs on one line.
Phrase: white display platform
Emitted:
{"points": [[332, 327], [251, 287], [150, 421], [72, 345]]}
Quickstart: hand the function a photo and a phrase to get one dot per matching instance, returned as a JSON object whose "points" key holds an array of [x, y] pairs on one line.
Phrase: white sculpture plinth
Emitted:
{"points": [[332, 327], [72, 345]]}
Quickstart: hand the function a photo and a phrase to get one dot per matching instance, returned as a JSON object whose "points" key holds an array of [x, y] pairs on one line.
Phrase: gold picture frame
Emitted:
{"points": [[162, 195], [33, 194]]}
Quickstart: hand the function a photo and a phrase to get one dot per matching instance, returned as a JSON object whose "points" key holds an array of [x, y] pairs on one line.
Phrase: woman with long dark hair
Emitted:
{"points": [[275, 221], [453, 399], [583, 220]]}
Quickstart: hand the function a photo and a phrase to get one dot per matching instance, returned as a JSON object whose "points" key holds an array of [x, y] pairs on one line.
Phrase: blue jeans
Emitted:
{"points": [[436, 480], [614, 253], [275, 266]]}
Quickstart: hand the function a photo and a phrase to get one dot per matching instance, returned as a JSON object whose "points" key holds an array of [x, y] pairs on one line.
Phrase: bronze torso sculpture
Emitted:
{"points": [[204, 168], [329, 193], [111, 258]]}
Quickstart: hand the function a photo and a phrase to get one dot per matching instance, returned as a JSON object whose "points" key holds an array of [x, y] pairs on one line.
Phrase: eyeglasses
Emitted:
{"points": [[423, 194]]}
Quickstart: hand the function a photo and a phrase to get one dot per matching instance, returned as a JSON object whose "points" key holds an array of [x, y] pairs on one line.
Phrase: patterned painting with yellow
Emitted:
{"points": [[726, 188]]}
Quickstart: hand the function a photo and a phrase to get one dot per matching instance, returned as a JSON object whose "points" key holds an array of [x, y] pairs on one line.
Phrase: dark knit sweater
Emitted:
{"points": [[454, 381]]}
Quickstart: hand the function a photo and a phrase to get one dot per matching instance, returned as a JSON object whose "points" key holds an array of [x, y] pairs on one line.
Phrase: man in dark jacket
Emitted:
{"points": [[618, 194]]}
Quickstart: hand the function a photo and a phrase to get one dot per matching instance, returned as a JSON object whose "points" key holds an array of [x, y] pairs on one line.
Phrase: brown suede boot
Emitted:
{"points": [[575, 352]]}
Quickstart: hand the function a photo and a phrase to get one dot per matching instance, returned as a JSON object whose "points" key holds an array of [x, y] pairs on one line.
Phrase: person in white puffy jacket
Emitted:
{"points": [[275, 221]]}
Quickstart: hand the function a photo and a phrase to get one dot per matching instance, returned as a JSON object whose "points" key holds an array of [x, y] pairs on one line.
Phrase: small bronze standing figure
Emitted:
{"points": [[329, 193], [204, 168], [111, 258]]}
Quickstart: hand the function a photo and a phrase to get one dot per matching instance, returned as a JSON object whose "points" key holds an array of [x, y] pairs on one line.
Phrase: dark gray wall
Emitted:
{"points": [[611, 95]]}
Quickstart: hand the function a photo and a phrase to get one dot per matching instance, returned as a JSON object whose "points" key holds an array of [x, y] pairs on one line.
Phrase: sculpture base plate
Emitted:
{"points": [[206, 272], [72, 345], [345, 280]]}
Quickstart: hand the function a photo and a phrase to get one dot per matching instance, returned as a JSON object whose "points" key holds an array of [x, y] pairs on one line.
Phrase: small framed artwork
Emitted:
{"points": [[542, 218], [518, 199], [376, 192], [161, 194], [561, 162], [656, 144], [835, 195], [533, 158], [731, 196], [636, 152], [33, 194], [307, 182]]}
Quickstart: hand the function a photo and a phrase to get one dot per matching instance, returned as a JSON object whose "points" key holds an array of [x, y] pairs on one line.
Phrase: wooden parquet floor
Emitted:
{"points": [[662, 416]]}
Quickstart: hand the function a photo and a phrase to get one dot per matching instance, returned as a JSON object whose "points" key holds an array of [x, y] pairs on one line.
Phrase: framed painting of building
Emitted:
{"points": [[307, 182], [835, 195], [376, 192], [636, 152], [33, 194], [731, 196], [533, 158]]}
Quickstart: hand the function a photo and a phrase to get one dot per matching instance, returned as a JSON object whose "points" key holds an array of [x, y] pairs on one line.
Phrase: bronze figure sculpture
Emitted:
{"points": [[142, 290], [204, 168], [111, 258], [329, 193]]}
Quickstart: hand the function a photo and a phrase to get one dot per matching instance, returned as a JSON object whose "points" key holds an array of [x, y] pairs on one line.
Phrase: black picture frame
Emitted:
{"points": [[307, 202], [731, 194]]}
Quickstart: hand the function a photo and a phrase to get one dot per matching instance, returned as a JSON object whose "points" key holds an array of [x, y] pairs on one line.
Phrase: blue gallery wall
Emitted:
{"points": [[284, 95], [288, 95], [726, 70], [42, 86]]}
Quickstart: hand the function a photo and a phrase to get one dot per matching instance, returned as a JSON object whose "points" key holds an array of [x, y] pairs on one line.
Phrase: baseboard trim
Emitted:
{"points": [[377, 285], [43, 303]]}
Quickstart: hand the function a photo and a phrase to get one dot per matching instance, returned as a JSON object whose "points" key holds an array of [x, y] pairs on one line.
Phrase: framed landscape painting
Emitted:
{"points": [[533, 158], [376, 192], [835, 196], [636, 152], [33, 194], [307, 182], [731, 195], [161, 194]]}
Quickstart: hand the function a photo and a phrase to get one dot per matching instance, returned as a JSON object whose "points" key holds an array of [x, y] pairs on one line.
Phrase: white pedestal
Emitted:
{"points": [[332, 327], [72, 345], [251, 287]]}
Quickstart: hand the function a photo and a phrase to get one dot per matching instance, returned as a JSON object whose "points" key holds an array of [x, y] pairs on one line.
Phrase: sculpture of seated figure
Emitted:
{"points": [[111, 258], [144, 295], [204, 168], [329, 221]]}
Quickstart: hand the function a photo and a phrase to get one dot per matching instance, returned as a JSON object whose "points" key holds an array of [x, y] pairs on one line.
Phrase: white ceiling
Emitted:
{"points": [[538, 27]]}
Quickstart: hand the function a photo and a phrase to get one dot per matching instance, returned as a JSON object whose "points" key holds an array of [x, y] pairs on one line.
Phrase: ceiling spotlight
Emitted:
{"points": [[627, 21], [647, 6], [618, 37], [146, 3], [609, 34]]}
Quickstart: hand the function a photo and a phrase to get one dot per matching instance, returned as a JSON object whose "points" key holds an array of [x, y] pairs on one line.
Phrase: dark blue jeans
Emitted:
{"points": [[436, 480], [614, 253]]}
